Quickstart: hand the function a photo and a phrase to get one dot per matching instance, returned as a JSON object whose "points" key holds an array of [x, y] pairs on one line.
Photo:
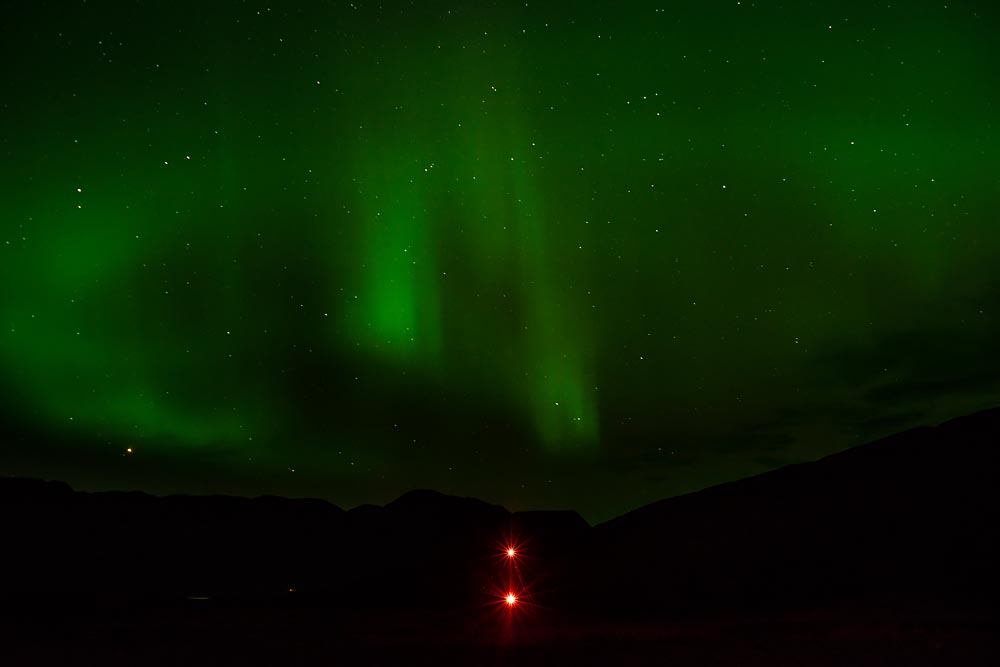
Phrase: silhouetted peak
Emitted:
{"points": [[420, 497], [958, 455], [426, 500], [364, 510]]}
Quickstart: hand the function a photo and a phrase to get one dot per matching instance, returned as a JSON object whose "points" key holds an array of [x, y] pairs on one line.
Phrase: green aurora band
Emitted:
{"points": [[572, 254]]}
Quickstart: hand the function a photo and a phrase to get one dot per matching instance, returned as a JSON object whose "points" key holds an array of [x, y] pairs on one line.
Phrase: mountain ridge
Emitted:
{"points": [[911, 513], [29, 487]]}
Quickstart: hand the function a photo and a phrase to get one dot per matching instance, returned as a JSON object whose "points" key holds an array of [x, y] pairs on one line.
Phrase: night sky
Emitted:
{"points": [[550, 254]]}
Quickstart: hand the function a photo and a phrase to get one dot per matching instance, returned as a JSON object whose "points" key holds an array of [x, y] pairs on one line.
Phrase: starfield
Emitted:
{"points": [[497, 332]]}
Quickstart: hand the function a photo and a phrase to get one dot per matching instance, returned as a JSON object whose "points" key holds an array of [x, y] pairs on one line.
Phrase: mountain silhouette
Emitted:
{"points": [[906, 522], [912, 514]]}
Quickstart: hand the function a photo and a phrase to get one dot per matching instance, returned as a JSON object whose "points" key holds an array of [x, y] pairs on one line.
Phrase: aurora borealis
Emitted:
{"points": [[550, 254]]}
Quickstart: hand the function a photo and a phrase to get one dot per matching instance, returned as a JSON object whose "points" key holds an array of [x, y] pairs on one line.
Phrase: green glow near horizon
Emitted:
{"points": [[562, 254]]}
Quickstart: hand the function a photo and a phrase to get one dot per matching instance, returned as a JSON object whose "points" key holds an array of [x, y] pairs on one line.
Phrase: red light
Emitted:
{"points": [[511, 552], [511, 599]]}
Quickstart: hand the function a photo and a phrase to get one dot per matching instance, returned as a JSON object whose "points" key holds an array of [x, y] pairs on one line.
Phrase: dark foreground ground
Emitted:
{"points": [[884, 554], [205, 632]]}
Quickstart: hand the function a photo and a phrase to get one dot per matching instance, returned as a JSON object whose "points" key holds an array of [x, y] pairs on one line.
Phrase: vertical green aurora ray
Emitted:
{"points": [[475, 200], [559, 381], [511, 238], [396, 313], [483, 238]]}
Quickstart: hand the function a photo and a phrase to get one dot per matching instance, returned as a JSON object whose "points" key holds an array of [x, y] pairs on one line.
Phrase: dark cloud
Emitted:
{"points": [[984, 383], [890, 422]]}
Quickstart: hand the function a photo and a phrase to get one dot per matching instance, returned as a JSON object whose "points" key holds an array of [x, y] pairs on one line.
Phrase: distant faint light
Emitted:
{"points": [[128, 450], [511, 599]]}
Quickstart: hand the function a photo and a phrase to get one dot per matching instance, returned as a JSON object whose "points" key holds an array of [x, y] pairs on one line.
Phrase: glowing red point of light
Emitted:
{"points": [[511, 599], [511, 552]]}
